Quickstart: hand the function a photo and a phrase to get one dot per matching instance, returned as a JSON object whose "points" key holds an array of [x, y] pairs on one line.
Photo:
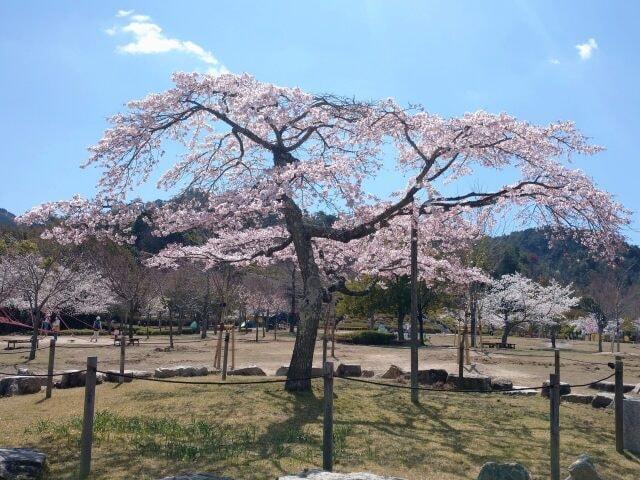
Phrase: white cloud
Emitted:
{"points": [[585, 50], [554, 61], [147, 38]]}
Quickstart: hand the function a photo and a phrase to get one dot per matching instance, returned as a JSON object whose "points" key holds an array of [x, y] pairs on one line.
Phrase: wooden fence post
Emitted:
{"points": [[460, 362], [86, 440], [327, 432], [123, 344], [233, 347], [554, 417], [52, 358], [324, 349], [619, 404], [224, 358]]}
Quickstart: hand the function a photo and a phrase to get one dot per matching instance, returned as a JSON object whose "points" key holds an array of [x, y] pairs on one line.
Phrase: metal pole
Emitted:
{"points": [[52, 357], [226, 352], [87, 424], [554, 416], [619, 404], [327, 433]]}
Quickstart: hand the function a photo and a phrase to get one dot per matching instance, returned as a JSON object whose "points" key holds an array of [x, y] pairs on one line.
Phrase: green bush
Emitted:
{"points": [[365, 337]]}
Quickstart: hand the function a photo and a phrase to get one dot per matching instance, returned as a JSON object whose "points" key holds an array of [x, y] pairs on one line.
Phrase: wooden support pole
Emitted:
{"points": [[460, 363], [216, 356], [327, 432], [123, 344], [52, 358], [233, 347], [467, 354], [86, 439], [226, 353], [554, 418], [324, 348], [619, 404]]}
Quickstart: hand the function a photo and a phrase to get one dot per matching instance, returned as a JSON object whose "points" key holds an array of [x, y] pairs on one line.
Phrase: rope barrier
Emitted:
{"points": [[512, 389], [197, 382]]}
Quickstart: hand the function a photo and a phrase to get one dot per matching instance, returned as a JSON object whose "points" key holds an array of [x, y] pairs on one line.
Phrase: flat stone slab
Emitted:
{"points": [[577, 398], [631, 424], [565, 389], [611, 387], [19, 385], [180, 371], [114, 375], [319, 475], [252, 371], [22, 464], [525, 392]]}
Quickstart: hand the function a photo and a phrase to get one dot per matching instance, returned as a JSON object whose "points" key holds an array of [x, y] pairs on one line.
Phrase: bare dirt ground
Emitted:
{"points": [[529, 364]]}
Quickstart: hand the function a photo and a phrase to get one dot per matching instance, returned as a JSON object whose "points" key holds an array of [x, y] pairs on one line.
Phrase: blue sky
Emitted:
{"points": [[67, 65]]}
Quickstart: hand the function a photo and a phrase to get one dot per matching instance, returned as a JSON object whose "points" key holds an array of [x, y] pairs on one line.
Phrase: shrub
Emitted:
{"points": [[366, 337]]}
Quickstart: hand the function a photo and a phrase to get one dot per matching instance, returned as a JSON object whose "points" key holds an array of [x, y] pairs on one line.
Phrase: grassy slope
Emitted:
{"points": [[148, 430]]}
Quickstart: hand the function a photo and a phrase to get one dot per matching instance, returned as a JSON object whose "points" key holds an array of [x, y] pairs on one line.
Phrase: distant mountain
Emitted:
{"points": [[530, 253], [7, 218]]}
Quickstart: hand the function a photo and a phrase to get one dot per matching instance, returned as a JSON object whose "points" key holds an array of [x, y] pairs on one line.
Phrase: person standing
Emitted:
{"points": [[46, 325], [97, 326], [55, 326]]}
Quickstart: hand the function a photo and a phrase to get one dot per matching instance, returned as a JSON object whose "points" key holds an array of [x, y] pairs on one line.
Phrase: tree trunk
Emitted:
{"points": [[473, 310], [171, 329], [553, 337], [421, 325], [35, 319], [371, 321], [310, 310], [414, 310], [180, 321], [292, 316], [600, 330], [505, 333]]}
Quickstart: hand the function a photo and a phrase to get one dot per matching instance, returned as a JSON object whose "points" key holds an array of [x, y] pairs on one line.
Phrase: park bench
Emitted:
{"points": [[132, 341], [15, 342], [498, 345]]}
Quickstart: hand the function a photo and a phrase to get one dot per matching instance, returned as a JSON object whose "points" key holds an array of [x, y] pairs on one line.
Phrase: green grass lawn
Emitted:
{"points": [[148, 430]]}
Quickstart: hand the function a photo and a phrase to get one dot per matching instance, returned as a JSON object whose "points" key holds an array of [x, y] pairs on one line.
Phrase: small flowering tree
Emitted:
{"points": [[261, 157], [552, 303]]}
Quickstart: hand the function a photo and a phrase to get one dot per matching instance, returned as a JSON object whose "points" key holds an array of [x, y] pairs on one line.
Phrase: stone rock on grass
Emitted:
{"points": [[577, 398], [393, 372], [19, 385], [636, 390], [284, 370], [583, 469], [349, 370], [526, 392], [432, 376], [368, 373], [22, 464], [501, 384], [113, 375], [631, 424], [24, 371], [76, 378], [320, 475], [503, 471], [611, 387], [602, 400], [252, 371], [196, 476], [565, 389], [180, 371], [472, 382]]}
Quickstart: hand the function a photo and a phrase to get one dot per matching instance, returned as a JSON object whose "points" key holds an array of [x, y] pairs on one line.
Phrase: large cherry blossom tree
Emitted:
{"points": [[262, 157]]}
